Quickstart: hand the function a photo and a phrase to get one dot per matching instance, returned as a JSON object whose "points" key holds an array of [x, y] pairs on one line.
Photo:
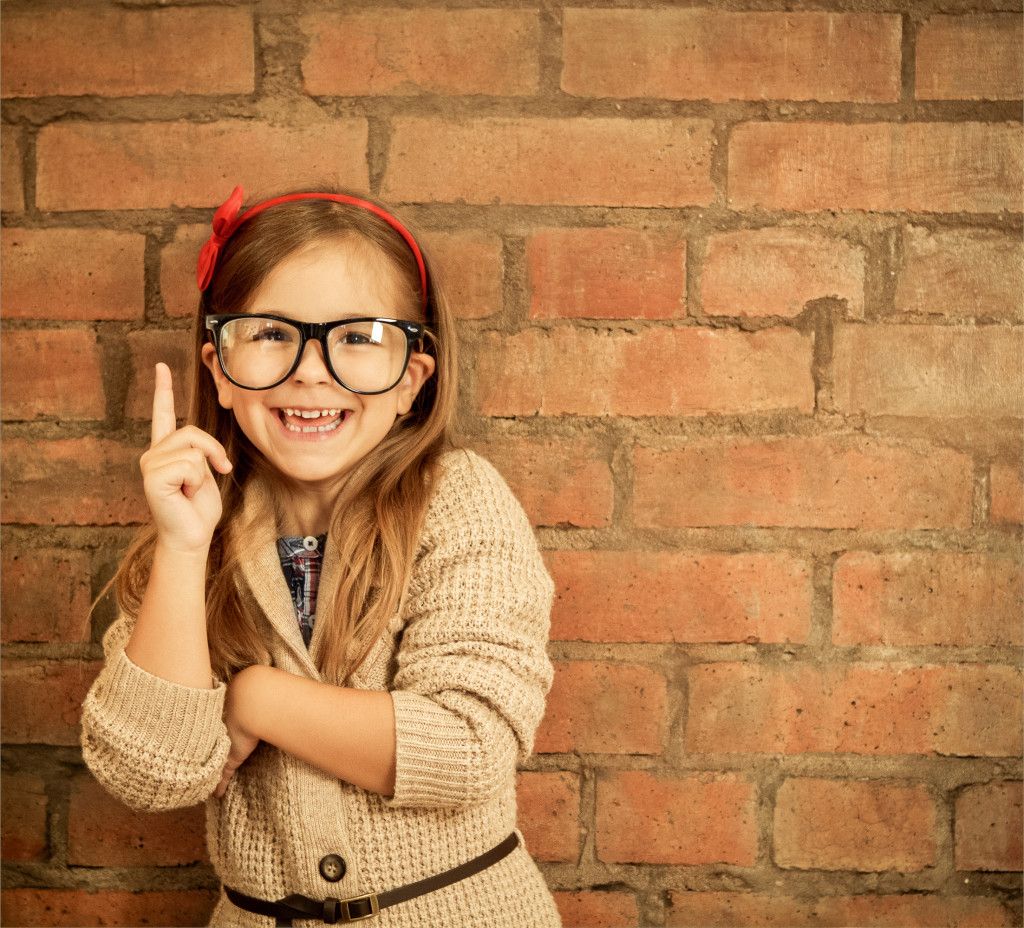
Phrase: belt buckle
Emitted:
{"points": [[345, 906]]}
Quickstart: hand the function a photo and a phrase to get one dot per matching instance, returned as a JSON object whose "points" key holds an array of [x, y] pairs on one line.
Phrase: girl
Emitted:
{"points": [[334, 630]]}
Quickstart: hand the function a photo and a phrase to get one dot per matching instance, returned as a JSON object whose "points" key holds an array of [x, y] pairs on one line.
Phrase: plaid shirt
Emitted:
{"points": [[300, 561]]}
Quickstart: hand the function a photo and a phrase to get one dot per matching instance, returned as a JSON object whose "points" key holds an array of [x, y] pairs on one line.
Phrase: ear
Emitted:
{"points": [[212, 362], [420, 370]]}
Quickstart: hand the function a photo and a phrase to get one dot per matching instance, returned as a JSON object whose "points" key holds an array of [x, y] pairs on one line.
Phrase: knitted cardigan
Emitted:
{"points": [[465, 661]]}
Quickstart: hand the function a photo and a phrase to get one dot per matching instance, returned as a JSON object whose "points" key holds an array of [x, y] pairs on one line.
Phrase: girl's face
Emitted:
{"points": [[286, 423]]}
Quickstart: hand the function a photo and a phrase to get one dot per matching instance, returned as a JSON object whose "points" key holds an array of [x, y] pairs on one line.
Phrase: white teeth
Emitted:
{"points": [[336, 419], [312, 413]]}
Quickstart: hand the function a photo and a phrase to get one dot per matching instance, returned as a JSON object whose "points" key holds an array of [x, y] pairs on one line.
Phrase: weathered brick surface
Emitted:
{"points": [[707, 819], [42, 700], [601, 909], [961, 273], [12, 195], [777, 272], [712, 55], [52, 372], [606, 274], [581, 162], [812, 482], [74, 481], [753, 910], [549, 814], [970, 58], [918, 370], [472, 267], [988, 827], [1007, 493], [661, 371], [74, 52], [178, 288], [148, 347], [422, 51], [72, 274], [84, 165], [918, 167], [23, 820], [604, 709], [46, 595], [922, 598], [864, 708], [668, 596], [104, 832], [72, 908], [850, 825]]}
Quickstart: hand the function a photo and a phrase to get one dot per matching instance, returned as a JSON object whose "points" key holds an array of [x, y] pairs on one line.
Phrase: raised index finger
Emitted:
{"points": [[164, 421]]}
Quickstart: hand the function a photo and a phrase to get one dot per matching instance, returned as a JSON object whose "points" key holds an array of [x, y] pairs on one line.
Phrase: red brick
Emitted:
{"points": [[739, 910], [802, 482], [23, 822], [920, 370], [573, 162], [961, 273], [970, 58], [1007, 489], [867, 708], [702, 819], [12, 191], [174, 348], [606, 274], [709, 55], [988, 827], [924, 598], [52, 372], [119, 53], [922, 167], [549, 814], [42, 700], [147, 165], [680, 597], [845, 825], [46, 595], [72, 274], [471, 269], [604, 709], [72, 908], [557, 482], [102, 832], [776, 272], [682, 371], [377, 52], [73, 481], [599, 909], [178, 270]]}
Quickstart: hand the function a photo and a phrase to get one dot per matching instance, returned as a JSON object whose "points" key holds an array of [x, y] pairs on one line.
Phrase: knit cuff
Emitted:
{"points": [[146, 709], [432, 756]]}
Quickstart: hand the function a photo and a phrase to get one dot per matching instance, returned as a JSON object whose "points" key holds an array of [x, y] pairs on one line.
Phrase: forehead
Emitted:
{"points": [[342, 275]]}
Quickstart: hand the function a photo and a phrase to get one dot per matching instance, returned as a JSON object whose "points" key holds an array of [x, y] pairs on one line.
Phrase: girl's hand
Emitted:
{"points": [[243, 742], [180, 489]]}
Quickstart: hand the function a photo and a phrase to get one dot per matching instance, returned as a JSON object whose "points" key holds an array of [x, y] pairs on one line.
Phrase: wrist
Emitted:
{"points": [[247, 687]]}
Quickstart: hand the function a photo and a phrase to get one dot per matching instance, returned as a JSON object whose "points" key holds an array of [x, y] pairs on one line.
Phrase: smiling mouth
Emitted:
{"points": [[311, 420]]}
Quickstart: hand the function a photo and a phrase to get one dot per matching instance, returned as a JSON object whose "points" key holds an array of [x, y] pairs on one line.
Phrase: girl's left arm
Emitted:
{"points": [[349, 733]]}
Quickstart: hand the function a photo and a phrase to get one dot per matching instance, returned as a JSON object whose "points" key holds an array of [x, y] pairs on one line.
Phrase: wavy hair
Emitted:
{"points": [[380, 509]]}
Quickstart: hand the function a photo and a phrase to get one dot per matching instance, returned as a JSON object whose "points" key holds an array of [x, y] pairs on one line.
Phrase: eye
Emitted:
{"points": [[272, 333]]}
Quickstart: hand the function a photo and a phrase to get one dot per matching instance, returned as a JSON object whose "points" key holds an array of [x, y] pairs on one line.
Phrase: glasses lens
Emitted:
{"points": [[368, 356], [258, 352]]}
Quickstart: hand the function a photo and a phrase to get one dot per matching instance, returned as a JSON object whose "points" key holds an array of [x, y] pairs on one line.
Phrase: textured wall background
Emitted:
{"points": [[740, 288]]}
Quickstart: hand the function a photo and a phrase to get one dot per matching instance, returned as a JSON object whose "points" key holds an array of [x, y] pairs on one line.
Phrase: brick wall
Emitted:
{"points": [[740, 290]]}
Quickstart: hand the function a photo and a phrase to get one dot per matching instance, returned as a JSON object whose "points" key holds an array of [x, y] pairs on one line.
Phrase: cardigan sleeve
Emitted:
{"points": [[154, 744], [473, 670]]}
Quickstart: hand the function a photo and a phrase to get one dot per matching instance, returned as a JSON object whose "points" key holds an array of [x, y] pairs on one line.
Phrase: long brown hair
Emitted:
{"points": [[380, 509]]}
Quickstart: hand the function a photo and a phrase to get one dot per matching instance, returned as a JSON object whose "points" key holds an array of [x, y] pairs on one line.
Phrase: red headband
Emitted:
{"points": [[226, 222]]}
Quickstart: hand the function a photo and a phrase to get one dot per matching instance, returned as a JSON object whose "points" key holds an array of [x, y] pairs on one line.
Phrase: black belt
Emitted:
{"points": [[333, 911]]}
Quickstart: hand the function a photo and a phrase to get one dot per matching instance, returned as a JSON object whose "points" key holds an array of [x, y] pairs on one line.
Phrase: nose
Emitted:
{"points": [[311, 367]]}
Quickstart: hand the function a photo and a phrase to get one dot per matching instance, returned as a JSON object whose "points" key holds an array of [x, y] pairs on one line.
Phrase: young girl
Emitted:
{"points": [[334, 630]]}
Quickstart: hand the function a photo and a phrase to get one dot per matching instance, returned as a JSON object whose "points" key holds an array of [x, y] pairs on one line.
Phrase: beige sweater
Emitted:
{"points": [[466, 664]]}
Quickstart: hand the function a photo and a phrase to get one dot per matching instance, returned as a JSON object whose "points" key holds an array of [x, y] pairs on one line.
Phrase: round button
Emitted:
{"points": [[310, 543], [332, 868]]}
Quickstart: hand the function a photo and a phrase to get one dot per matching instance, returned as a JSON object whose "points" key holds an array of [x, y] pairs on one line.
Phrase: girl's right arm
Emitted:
{"points": [[169, 638]]}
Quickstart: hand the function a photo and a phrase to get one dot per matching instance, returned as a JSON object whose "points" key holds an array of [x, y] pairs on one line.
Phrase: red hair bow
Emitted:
{"points": [[223, 227]]}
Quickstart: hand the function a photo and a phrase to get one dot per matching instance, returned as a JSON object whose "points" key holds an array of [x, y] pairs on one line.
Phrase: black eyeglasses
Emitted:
{"points": [[365, 355]]}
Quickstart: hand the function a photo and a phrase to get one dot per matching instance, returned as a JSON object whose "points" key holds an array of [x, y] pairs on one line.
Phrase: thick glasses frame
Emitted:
{"points": [[316, 331]]}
